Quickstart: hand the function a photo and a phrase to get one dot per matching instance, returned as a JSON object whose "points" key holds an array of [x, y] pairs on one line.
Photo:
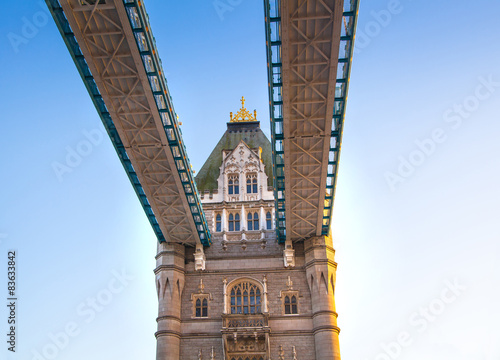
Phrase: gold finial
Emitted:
{"points": [[243, 115]]}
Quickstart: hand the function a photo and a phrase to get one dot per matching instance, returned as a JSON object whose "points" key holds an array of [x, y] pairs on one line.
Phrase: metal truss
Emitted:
{"points": [[114, 50], [310, 45]]}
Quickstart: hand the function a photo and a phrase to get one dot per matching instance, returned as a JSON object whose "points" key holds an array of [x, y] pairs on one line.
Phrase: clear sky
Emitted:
{"points": [[417, 206]]}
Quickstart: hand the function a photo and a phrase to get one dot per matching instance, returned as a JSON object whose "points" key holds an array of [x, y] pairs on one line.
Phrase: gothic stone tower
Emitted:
{"points": [[246, 297]]}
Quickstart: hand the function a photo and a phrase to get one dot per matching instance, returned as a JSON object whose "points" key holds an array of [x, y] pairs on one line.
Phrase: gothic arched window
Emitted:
{"points": [[218, 223], [201, 307], [233, 184], [269, 224], [245, 298], [252, 183], [253, 221], [290, 304], [234, 222], [237, 222]]}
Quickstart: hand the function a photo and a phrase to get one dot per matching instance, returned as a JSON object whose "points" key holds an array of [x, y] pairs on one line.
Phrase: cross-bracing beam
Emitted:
{"points": [[114, 50], [310, 46]]}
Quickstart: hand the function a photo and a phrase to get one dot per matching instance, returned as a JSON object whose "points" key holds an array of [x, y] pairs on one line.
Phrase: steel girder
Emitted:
{"points": [[310, 45], [114, 50]]}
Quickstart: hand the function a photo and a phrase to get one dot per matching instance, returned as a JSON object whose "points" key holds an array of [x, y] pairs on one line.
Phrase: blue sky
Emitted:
{"points": [[416, 213]]}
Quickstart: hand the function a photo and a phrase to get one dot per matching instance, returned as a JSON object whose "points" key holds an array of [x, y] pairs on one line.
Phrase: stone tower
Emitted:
{"points": [[246, 297]]}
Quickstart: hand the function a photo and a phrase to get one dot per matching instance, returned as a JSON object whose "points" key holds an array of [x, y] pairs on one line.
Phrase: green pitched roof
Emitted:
{"points": [[252, 135]]}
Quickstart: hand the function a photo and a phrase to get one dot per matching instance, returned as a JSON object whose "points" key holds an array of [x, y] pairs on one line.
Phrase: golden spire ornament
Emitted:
{"points": [[243, 115]]}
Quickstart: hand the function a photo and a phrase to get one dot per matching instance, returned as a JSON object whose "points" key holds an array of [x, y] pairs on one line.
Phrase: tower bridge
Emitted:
{"points": [[309, 55], [114, 50], [245, 262]]}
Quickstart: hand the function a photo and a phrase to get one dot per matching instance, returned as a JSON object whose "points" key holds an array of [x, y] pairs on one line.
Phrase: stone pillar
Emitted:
{"points": [[262, 220], [169, 284], [224, 294], [321, 274], [243, 224], [224, 220], [265, 309]]}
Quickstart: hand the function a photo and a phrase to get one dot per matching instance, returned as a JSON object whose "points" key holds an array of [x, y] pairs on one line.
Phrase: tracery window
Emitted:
{"points": [[245, 298], [234, 222], [218, 223], [290, 304], [269, 224], [201, 307], [253, 221], [252, 183], [233, 184]]}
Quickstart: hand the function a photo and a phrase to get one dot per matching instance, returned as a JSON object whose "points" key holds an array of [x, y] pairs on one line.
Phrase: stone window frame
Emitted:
{"points": [[201, 297], [235, 218], [218, 221], [290, 294], [252, 220], [233, 184], [252, 183], [269, 220], [238, 283]]}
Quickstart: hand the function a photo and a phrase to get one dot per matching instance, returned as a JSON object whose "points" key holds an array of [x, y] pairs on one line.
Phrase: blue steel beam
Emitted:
{"points": [[152, 64], [275, 85]]}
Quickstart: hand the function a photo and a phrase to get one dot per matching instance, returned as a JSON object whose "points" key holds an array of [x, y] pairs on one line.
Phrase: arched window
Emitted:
{"points": [[269, 224], [201, 308], [249, 185], [253, 221], [218, 223], [291, 304], [204, 308], [252, 183], [234, 222], [233, 184], [245, 298], [237, 222]]}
